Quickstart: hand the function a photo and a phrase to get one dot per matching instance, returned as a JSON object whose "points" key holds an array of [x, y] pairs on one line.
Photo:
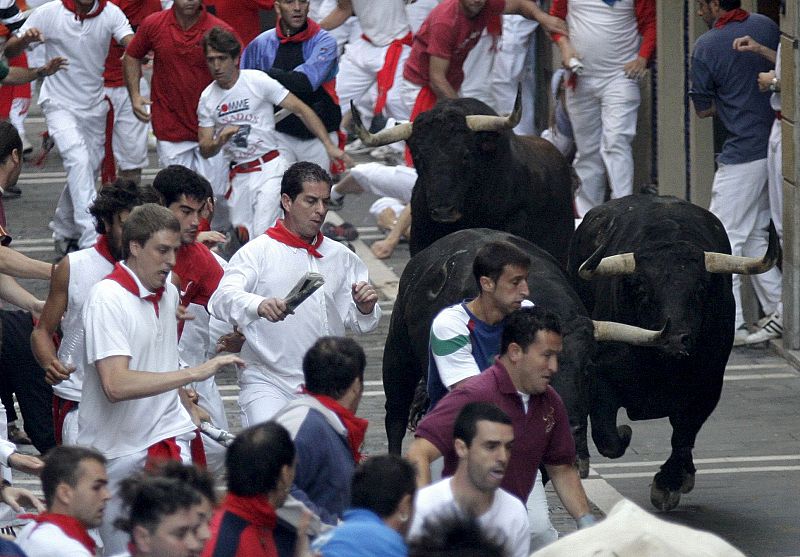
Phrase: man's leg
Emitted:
{"points": [[116, 541], [265, 194], [259, 401], [735, 195], [358, 68], [386, 181], [542, 530], [130, 135], [768, 286], [775, 170], [478, 71], [584, 112], [620, 100]]}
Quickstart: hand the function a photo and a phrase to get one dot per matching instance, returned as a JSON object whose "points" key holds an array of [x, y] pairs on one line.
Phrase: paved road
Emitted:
{"points": [[748, 454]]}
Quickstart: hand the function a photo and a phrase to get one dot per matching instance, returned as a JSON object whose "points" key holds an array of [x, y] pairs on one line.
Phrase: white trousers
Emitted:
{"points": [[542, 530], [187, 153], [514, 65], [255, 198], [79, 138], [358, 68], [260, 399], [603, 114], [775, 177], [211, 402], [129, 141], [386, 181], [116, 541], [478, 71], [739, 198], [294, 149], [69, 432]]}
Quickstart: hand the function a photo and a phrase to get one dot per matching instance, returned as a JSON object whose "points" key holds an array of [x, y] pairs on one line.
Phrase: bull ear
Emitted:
{"points": [[400, 132], [725, 263]]}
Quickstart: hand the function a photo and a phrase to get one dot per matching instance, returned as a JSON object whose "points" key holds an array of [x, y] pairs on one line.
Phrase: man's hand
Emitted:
{"points": [[232, 342], [183, 313], [56, 372], [226, 134], [635, 69], [141, 108], [365, 296], [568, 52], [26, 463], [214, 365], [765, 80], [553, 24], [383, 249], [31, 36], [52, 66], [747, 44], [339, 155], [211, 238], [15, 497], [273, 309]]}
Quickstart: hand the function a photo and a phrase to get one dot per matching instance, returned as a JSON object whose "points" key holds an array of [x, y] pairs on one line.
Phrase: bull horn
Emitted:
{"points": [[613, 265], [725, 263], [400, 132], [486, 123], [630, 334]]}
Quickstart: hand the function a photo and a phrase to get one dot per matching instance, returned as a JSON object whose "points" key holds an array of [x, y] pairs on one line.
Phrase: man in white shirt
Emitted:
{"points": [[235, 112], [260, 275], [483, 436], [75, 486], [130, 410], [73, 101]]}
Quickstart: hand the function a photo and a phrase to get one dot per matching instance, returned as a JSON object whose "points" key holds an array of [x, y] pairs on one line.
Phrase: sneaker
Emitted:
{"points": [[344, 232], [12, 192], [769, 327], [63, 246], [18, 436], [741, 335], [357, 147], [27, 148], [336, 204]]}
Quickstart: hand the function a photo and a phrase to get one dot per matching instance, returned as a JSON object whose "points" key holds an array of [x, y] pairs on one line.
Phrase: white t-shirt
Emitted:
{"points": [[506, 519], [86, 268], [266, 268], [382, 20], [119, 323], [249, 105], [85, 44], [48, 540]]}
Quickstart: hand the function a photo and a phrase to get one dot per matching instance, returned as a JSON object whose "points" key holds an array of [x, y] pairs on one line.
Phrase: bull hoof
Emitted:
{"points": [[583, 468], [688, 483], [663, 499]]}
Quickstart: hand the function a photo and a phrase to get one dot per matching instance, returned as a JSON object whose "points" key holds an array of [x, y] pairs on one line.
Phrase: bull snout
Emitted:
{"points": [[679, 345], [445, 214]]}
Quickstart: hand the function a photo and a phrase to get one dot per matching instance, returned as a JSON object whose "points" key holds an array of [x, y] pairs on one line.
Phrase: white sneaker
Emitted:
{"points": [[741, 335], [356, 147], [769, 327]]}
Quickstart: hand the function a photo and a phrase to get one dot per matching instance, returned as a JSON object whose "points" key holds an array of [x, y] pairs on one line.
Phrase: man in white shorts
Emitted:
{"points": [[260, 275], [482, 436], [235, 112], [73, 101], [130, 410]]}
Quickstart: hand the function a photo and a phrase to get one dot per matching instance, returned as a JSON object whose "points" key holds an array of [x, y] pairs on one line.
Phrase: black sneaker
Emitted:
{"points": [[12, 192], [344, 232], [336, 204]]}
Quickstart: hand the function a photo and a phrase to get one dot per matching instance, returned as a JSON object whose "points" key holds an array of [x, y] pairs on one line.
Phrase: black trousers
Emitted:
{"points": [[21, 374]]}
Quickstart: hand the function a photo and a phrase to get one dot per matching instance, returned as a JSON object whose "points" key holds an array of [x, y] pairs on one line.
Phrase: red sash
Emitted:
{"points": [[426, 99], [168, 449], [108, 168], [385, 76], [61, 407]]}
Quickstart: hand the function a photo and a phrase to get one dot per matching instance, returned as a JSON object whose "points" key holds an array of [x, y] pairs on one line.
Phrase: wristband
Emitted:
{"points": [[585, 521], [775, 85]]}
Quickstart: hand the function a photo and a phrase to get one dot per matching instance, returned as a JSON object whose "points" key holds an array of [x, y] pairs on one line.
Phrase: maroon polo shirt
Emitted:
{"points": [[542, 435]]}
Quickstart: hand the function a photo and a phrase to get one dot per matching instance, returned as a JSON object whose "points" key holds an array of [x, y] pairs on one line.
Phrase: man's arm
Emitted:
{"points": [[706, 112], [44, 349], [312, 73], [19, 76], [132, 70], [122, 383], [421, 454], [210, 145], [531, 10], [749, 44], [314, 125], [384, 248], [18, 43], [14, 264], [339, 15], [437, 77], [14, 294], [569, 488]]}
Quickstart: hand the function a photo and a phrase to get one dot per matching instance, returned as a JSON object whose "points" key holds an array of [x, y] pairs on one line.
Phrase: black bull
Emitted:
{"points": [[667, 266], [440, 276], [474, 172]]}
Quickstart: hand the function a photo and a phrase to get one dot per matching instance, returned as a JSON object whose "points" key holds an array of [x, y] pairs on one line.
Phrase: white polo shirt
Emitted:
{"points": [[382, 20], [84, 43], [48, 540], [249, 104], [119, 323]]}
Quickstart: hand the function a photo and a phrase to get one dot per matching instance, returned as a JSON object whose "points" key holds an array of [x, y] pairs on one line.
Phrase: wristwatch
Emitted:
{"points": [[775, 85]]}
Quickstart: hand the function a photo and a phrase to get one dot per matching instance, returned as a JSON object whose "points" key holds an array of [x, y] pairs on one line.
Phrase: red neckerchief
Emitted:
{"points": [[356, 427], [104, 249], [737, 14], [70, 5], [70, 525], [312, 28], [255, 509], [282, 234], [124, 278]]}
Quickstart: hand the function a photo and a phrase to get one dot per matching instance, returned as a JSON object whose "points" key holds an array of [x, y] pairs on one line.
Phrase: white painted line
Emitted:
{"points": [[757, 376], [32, 249], [601, 493], [777, 365], [709, 471], [236, 387], [365, 393], [720, 460], [32, 241]]}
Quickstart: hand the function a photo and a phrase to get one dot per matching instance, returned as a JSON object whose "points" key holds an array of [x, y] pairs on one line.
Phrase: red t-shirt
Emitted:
{"points": [[242, 15], [135, 11], [199, 272], [448, 33], [179, 71]]}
